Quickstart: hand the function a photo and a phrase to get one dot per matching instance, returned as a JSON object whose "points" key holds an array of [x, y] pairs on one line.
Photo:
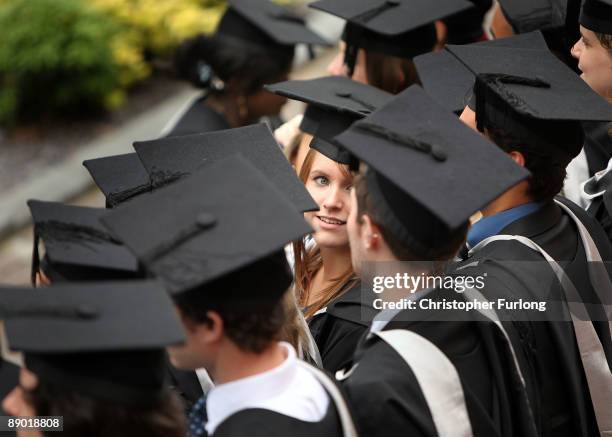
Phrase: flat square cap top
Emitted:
{"points": [[435, 159], [169, 159], [91, 317], [212, 223], [277, 22], [119, 177], [391, 17], [561, 95], [74, 236], [334, 103], [336, 93], [450, 82]]}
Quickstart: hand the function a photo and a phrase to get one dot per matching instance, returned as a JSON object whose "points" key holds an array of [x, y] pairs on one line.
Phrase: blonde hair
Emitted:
{"points": [[309, 261], [296, 332]]}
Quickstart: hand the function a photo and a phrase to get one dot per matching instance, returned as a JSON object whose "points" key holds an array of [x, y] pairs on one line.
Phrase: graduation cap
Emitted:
{"points": [[119, 177], [334, 103], [596, 15], [533, 96], [427, 171], [265, 23], [557, 19], [450, 83], [77, 246], [211, 225], [105, 340], [169, 159], [402, 28], [530, 15]]}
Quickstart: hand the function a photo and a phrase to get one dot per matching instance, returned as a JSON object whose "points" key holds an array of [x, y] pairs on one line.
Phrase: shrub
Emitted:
{"points": [[56, 57], [161, 25]]}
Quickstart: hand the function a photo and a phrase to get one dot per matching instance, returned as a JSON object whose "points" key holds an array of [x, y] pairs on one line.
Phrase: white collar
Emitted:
{"points": [[597, 177], [224, 400]]}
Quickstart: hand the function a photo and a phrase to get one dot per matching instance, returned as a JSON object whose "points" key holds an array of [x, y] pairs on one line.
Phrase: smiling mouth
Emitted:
{"points": [[330, 220]]}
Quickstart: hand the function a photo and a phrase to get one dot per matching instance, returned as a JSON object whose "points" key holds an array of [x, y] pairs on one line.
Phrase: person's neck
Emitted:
{"points": [[514, 197], [234, 363], [335, 262], [227, 105]]}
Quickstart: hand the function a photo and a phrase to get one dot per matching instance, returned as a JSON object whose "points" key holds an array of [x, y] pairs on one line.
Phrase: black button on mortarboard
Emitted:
{"points": [[438, 153], [205, 220], [86, 312], [343, 94]]}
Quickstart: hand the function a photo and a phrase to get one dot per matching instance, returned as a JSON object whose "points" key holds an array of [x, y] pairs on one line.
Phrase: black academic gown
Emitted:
{"points": [[339, 328], [597, 145], [387, 400], [257, 422], [598, 149], [199, 118], [186, 384], [547, 351]]}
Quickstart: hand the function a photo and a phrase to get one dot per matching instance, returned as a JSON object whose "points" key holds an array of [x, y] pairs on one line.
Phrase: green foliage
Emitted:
{"points": [[56, 57], [63, 57]]}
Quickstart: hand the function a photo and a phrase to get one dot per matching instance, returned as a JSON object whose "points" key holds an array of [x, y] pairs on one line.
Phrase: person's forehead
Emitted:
{"points": [[323, 164], [586, 33]]}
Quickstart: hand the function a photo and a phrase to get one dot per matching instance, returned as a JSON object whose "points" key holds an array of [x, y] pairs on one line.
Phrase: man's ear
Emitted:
{"points": [[370, 233], [517, 157], [213, 329]]}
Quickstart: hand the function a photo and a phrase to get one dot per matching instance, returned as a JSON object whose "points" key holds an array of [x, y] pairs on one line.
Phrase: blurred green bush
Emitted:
{"points": [[64, 57], [55, 57]]}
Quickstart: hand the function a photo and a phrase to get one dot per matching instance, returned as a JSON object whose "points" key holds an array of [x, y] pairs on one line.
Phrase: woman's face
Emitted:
{"points": [[337, 67], [595, 63], [329, 184], [16, 403]]}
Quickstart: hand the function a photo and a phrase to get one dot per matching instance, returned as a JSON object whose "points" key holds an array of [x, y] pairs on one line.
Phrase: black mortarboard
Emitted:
{"points": [[427, 171], [450, 83], [533, 96], [596, 15], [168, 159], [402, 28], [77, 246], [211, 224], [557, 19], [119, 177], [264, 23], [334, 103], [530, 15], [105, 340]]}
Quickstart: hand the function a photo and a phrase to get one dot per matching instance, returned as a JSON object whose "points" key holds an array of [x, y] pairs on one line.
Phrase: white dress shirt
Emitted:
{"points": [[287, 389]]}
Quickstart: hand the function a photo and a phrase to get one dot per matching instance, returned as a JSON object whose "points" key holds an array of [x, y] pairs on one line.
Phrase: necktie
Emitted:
{"points": [[197, 418]]}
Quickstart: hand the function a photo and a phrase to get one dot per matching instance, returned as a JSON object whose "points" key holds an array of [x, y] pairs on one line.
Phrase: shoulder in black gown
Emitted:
{"points": [[199, 118], [259, 422], [387, 399], [338, 329], [547, 351]]}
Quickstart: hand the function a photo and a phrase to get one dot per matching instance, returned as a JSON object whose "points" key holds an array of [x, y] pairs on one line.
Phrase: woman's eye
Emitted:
{"points": [[321, 180], [349, 188]]}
